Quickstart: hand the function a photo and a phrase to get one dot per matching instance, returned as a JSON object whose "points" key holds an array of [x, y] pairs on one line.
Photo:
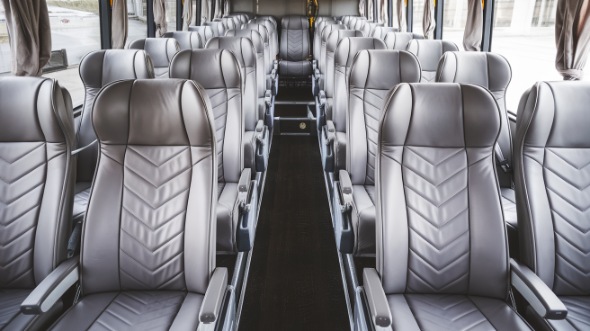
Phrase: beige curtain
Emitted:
{"points": [[474, 26], [30, 35], [428, 22], [370, 10], [218, 9], [383, 12], [160, 17], [363, 8], [572, 36], [119, 24], [206, 11], [226, 8], [187, 14], [401, 15]]}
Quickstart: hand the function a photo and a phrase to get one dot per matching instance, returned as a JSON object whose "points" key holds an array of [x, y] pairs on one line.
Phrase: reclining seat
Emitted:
{"points": [[264, 96], [352, 22], [372, 75], [36, 190], [325, 98], [271, 67], [294, 47], [369, 29], [442, 260], [346, 20], [148, 255], [381, 32], [229, 23], [205, 31], [271, 25], [256, 137], [429, 53], [98, 69], [334, 132], [161, 52], [217, 27], [399, 40], [359, 24], [317, 38], [222, 83], [551, 157], [319, 70], [186, 39], [493, 72]]}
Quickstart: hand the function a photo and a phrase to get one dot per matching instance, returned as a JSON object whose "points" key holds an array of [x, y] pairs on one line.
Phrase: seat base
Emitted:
{"points": [[11, 317], [295, 68]]}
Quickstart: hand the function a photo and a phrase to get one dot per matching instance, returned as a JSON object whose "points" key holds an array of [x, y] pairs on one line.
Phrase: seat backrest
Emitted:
{"points": [[98, 69], [333, 40], [294, 38], [273, 33], [160, 50], [157, 148], [491, 71], [359, 24], [552, 153], [429, 53], [352, 22], [186, 39], [324, 35], [381, 32], [243, 49], [205, 31], [368, 29], [229, 23], [372, 75], [36, 179], [343, 56], [263, 31], [440, 228], [217, 27], [218, 72], [317, 37], [399, 40], [269, 18]]}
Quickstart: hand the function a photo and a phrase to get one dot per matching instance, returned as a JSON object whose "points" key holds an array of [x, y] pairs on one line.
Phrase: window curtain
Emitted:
{"points": [[29, 32], [474, 26], [363, 8], [160, 17], [119, 23], [226, 8], [401, 15], [218, 9], [370, 10], [383, 12], [187, 14], [572, 36], [206, 11], [428, 22]]}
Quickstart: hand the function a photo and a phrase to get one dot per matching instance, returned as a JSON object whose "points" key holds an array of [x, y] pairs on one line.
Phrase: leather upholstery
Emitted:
{"points": [[205, 31], [161, 52], [551, 154], [217, 27], [324, 36], [294, 47], [399, 40], [186, 39], [373, 73], [147, 258], [36, 190], [359, 23], [317, 36], [229, 23], [429, 53], [381, 32], [493, 72], [441, 241], [271, 26], [98, 69], [369, 29]]}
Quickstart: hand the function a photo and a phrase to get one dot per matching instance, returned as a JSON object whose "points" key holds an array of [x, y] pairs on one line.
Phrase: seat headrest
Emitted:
{"points": [[211, 68], [205, 31], [399, 40], [186, 39], [294, 23], [348, 47], [381, 31], [217, 27], [337, 35], [329, 28], [555, 114], [34, 109], [489, 70], [383, 69], [102, 67], [409, 119], [149, 112], [160, 50], [429, 52], [253, 35], [264, 33], [241, 47]]}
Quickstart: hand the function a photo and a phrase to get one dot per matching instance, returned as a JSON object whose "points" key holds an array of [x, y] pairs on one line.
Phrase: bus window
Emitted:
{"points": [[524, 32], [455, 17], [171, 14], [5, 55], [137, 14], [418, 16], [74, 33]]}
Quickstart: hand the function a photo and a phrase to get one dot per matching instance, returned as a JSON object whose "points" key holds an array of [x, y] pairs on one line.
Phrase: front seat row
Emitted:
{"points": [[148, 254]]}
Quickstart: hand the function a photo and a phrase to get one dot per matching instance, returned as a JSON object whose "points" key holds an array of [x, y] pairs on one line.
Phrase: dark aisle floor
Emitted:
{"points": [[294, 281]]}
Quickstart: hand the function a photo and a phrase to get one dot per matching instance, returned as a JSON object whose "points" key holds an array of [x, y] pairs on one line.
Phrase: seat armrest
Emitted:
{"points": [[314, 64], [211, 306], [275, 64], [52, 288], [376, 298], [346, 185], [248, 205], [320, 108], [537, 294], [342, 203], [262, 145], [77, 110], [328, 137]]}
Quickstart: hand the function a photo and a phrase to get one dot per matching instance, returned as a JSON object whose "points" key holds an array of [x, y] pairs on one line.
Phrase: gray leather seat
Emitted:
{"points": [[334, 133], [205, 31], [161, 52], [359, 23], [229, 23], [148, 257], [346, 20], [442, 260], [186, 39], [256, 136], [372, 75], [218, 72], [381, 32], [98, 69], [319, 66], [36, 190], [429, 53], [317, 35], [269, 62], [399, 40], [294, 48], [551, 156], [369, 29], [217, 27], [271, 25], [493, 72]]}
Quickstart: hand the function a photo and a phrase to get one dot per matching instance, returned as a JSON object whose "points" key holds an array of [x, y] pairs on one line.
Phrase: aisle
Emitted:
{"points": [[294, 281]]}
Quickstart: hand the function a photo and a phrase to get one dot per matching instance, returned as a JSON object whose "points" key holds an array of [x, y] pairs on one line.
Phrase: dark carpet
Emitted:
{"points": [[294, 281]]}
